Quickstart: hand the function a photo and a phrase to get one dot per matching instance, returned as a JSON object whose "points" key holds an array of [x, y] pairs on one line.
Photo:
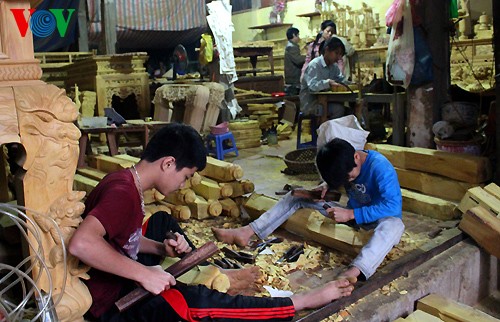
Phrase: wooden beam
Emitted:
{"points": [[82, 183], [478, 196], [458, 166], [257, 204], [484, 228], [91, 173], [222, 171], [433, 185], [313, 225], [109, 22], [108, 164], [428, 206], [450, 310], [419, 316], [83, 38]]}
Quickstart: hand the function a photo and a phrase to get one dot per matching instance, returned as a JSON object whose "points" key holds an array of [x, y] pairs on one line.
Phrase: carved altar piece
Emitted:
{"points": [[108, 75], [40, 117], [201, 107]]}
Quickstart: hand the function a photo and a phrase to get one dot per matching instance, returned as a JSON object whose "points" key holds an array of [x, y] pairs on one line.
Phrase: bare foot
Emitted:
{"points": [[242, 280], [351, 274], [320, 296], [238, 236]]}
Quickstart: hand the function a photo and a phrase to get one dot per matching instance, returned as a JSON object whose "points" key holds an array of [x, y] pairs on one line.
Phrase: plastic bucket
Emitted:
{"points": [[468, 147]]}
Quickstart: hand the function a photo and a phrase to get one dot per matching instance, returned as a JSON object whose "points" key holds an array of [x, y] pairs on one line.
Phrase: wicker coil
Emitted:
{"points": [[301, 160]]}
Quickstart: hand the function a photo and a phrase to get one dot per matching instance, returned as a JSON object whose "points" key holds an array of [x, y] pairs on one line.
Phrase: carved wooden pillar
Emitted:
{"points": [[40, 117]]}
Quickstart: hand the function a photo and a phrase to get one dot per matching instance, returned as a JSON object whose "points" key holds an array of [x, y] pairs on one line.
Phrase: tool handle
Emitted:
{"points": [[182, 266], [316, 194]]}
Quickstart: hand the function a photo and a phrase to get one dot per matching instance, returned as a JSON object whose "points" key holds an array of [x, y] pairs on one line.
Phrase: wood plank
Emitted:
{"points": [[212, 190], [449, 310], [127, 157], [458, 166], [433, 185], [428, 206], [82, 183], [477, 196], [483, 227], [419, 316], [313, 225], [91, 173], [257, 204], [493, 190], [108, 164]]}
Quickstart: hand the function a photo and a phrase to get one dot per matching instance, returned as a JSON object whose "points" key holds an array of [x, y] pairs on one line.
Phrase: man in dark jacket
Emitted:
{"points": [[293, 62]]}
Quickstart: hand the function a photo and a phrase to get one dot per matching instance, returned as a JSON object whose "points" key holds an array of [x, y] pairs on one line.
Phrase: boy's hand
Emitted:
{"points": [[157, 280], [175, 247], [324, 189], [340, 214]]}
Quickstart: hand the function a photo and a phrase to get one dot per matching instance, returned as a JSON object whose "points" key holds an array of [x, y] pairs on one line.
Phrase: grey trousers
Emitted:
{"points": [[387, 231]]}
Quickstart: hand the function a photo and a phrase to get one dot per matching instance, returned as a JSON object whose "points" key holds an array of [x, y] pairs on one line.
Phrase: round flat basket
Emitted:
{"points": [[301, 160]]}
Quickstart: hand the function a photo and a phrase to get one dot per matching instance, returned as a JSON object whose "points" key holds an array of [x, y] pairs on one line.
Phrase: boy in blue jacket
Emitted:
{"points": [[375, 202]]}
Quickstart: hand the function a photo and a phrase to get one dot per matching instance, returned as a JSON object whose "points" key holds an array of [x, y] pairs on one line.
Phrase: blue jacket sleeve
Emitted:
{"points": [[386, 198]]}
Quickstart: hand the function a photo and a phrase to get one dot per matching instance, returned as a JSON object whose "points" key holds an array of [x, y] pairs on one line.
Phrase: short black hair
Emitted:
{"points": [[334, 43], [290, 32], [180, 141], [334, 161], [329, 23]]}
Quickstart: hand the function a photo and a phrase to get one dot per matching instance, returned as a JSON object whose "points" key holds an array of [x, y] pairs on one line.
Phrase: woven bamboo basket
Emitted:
{"points": [[301, 160]]}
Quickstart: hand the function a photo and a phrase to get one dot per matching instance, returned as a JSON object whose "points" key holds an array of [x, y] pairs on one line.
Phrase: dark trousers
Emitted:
{"points": [[195, 302]]}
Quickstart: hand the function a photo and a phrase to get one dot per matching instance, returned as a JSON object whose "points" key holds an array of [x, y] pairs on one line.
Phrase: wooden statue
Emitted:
{"points": [[40, 117]]}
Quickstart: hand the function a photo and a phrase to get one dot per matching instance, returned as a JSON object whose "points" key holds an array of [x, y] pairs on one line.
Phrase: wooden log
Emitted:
{"points": [[199, 208], [222, 171], [450, 310], [428, 206], [483, 227], [182, 266], [82, 183], [230, 208], [312, 224], [477, 196], [193, 181], [181, 197], [257, 204], [154, 208], [458, 166], [91, 173], [108, 164], [214, 208], [433, 185], [210, 189], [179, 212], [241, 187]]}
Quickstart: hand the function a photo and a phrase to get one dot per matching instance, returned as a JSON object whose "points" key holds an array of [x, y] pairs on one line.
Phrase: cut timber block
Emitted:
{"points": [[181, 197], [108, 164], [82, 183], [419, 316], [428, 206], [258, 204], [222, 171], [484, 228], [201, 208], [179, 212], [311, 224], [153, 208], [91, 173], [493, 190], [193, 181], [230, 208], [478, 196], [433, 185], [458, 166], [152, 196], [210, 189], [449, 310], [241, 187]]}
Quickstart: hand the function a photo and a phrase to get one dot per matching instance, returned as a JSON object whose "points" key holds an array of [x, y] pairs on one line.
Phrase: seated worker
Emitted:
{"points": [[375, 202], [321, 74], [293, 62], [315, 47], [109, 240]]}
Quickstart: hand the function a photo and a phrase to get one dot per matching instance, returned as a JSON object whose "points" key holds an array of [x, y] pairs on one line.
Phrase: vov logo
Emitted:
{"points": [[42, 23]]}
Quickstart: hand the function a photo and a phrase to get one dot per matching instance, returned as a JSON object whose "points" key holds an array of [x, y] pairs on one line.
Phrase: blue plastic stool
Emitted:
{"points": [[314, 127], [218, 150]]}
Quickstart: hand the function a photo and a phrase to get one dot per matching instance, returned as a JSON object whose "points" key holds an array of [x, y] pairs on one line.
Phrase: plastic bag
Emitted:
{"points": [[422, 71], [401, 52], [346, 128], [206, 49]]}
